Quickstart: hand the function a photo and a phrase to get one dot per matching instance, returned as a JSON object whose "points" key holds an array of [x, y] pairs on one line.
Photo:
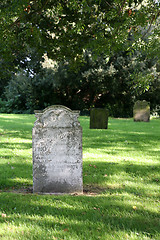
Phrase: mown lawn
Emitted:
{"points": [[121, 174]]}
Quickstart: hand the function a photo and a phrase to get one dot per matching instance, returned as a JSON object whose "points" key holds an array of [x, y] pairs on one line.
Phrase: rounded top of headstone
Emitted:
{"points": [[141, 104], [57, 116]]}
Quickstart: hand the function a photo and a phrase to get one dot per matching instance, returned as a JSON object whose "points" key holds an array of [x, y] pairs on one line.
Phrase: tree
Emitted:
{"points": [[65, 28], [114, 83]]}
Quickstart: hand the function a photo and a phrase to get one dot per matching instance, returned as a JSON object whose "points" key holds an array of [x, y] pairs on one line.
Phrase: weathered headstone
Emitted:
{"points": [[141, 111], [57, 151], [98, 118]]}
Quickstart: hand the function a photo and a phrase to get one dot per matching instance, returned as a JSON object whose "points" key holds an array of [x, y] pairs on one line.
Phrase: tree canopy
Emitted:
{"points": [[63, 29], [117, 40]]}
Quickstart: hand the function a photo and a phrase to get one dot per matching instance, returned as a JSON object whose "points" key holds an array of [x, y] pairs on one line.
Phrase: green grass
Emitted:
{"points": [[121, 174]]}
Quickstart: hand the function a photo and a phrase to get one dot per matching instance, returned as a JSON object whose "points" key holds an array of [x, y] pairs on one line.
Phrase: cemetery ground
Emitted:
{"points": [[121, 176]]}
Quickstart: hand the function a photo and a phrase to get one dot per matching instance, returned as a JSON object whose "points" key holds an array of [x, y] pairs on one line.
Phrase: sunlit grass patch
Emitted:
{"points": [[121, 174]]}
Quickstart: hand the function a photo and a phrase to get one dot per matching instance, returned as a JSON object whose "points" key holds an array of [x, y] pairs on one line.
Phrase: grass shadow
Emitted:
{"points": [[68, 215], [111, 187]]}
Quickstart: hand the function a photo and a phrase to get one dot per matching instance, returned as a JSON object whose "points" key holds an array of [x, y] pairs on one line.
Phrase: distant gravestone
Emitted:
{"points": [[141, 111], [98, 118], [57, 151], [158, 67]]}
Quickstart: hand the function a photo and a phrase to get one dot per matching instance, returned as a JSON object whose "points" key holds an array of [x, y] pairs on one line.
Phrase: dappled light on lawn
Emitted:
{"points": [[121, 175]]}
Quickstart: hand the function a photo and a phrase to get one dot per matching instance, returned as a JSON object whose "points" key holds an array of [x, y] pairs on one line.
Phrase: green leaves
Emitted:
{"points": [[66, 28]]}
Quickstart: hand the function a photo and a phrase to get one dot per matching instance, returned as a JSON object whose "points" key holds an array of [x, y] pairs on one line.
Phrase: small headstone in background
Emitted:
{"points": [[57, 151], [141, 111], [158, 67], [99, 118]]}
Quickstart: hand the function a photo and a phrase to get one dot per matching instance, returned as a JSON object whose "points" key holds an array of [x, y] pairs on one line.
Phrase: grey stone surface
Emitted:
{"points": [[99, 118], [57, 151], [141, 111]]}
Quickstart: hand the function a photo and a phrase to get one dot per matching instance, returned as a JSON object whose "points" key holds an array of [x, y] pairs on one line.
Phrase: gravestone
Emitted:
{"points": [[98, 118], [141, 111], [57, 151]]}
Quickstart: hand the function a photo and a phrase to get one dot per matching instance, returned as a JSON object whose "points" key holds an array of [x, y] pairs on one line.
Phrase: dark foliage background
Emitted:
{"points": [[114, 83]]}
